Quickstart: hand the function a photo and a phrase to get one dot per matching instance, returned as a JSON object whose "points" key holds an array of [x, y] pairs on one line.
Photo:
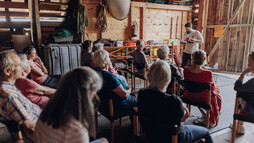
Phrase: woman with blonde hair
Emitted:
{"points": [[69, 115], [165, 110], [197, 73]]}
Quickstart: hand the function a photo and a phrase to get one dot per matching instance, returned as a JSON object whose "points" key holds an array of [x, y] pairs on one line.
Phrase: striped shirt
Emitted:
{"points": [[72, 132], [14, 106]]}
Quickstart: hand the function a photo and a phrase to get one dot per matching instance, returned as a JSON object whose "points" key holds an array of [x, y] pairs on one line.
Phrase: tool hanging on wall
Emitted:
{"points": [[102, 16]]}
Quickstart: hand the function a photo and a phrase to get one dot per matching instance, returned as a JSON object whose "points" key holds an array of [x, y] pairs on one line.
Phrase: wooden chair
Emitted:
{"points": [[142, 77], [155, 125], [196, 87], [240, 115], [112, 118], [172, 89], [15, 131]]}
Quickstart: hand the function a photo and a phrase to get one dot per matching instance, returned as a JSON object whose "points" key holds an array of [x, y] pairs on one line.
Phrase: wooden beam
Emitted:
{"points": [[233, 25], [161, 6], [53, 3], [204, 22], [225, 30], [200, 15], [51, 7], [35, 22], [26, 14], [9, 4]]}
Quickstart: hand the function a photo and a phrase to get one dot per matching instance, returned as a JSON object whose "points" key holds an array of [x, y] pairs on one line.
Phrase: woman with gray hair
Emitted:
{"points": [[36, 93], [112, 86], [155, 104], [163, 54], [197, 74]]}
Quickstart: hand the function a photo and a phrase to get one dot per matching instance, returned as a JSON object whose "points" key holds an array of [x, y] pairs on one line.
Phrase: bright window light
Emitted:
{"points": [[2, 19], [20, 19]]}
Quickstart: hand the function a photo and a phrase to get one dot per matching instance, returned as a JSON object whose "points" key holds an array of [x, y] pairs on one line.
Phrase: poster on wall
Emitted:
{"points": [[218, 30]]}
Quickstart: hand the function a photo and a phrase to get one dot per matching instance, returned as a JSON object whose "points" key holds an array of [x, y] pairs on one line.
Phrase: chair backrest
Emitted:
{"points": [[195, 87], [247, 96], [139, 66], [162, 129]]}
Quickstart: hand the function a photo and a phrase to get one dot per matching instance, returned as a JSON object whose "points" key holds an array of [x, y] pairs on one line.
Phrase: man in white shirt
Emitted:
{"points": [[193, 39]]}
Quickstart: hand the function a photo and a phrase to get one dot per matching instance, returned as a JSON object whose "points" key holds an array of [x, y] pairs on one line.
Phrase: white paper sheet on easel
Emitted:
{"points": [[181, 40]]}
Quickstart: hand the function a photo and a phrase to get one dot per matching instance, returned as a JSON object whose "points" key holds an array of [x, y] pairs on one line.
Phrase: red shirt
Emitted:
{"points": [[27, 88], [36, 78], [204, 77]]}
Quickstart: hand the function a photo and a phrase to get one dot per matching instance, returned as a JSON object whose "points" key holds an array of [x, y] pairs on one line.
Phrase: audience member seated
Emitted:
{"points": [[87, 54], [37, 94], [14, 106], [163, 54], [122, 100], [197, 74], [98, 47], [139, 57], [247, 105], [69, 115], [155, 104], [38, 70]]}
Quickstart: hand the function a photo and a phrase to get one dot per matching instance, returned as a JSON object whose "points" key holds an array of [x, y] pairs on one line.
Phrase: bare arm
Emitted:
{"points": [[29, 125], [185, 115], [199, 38], [38, 60], [36, 71], [120, 91], [43, 90]]}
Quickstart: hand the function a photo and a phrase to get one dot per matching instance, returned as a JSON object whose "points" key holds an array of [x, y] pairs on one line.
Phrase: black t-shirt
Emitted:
{"points": [[163, 108]]}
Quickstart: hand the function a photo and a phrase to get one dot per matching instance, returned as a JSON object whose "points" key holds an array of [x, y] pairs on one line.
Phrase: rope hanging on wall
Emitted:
{"points": [[102, 16]]}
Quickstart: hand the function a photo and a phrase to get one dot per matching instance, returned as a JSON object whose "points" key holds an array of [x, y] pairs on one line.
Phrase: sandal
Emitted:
{"points": [[199, 122]]}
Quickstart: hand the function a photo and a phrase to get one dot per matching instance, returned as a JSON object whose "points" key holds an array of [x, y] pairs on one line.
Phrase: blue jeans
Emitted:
{"points": [[194, 133], [51, 81]]}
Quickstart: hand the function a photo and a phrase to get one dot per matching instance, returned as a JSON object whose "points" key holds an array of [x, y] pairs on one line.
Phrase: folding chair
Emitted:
{"points": [[196, 87], [240, 115]]}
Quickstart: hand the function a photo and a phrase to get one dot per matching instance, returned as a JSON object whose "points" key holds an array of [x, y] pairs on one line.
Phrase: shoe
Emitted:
{"points": [[241, 131], [199, 122], [211, 125]]}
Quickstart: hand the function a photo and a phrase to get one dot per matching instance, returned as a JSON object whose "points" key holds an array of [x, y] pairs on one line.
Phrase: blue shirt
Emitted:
{"points": [[110, 82]]}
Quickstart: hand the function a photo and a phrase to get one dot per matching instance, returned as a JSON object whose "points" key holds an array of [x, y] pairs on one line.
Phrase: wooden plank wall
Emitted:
{"points": [[155, 21], [19, 9], [233, 49]]}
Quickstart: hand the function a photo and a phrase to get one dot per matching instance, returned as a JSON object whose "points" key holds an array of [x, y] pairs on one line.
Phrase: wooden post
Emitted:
{"points": [[33, 6], [200, 15], [170, 1], [204, 20]]}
